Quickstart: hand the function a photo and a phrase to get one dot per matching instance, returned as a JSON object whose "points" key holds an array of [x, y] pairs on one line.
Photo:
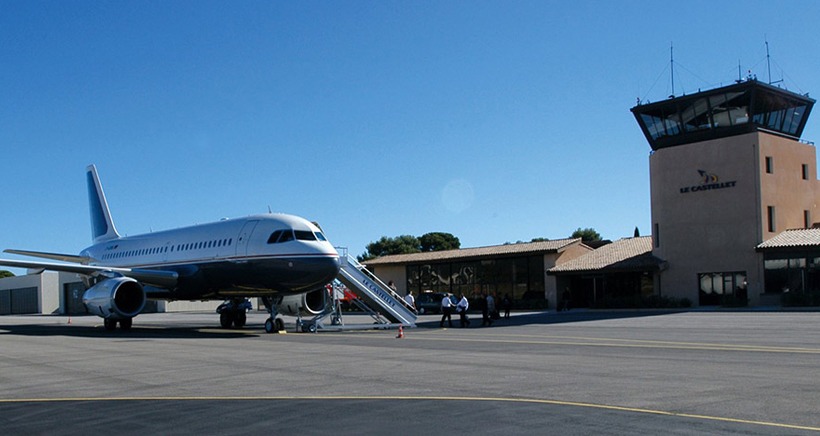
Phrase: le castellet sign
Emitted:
{"points": [[708, 182]]}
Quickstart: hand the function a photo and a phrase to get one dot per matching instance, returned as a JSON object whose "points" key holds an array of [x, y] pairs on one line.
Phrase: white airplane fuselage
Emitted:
{"points": [[226, 258]]}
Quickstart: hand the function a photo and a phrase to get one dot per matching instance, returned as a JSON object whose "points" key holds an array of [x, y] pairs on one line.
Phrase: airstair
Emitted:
{"points": [[386, 303]]}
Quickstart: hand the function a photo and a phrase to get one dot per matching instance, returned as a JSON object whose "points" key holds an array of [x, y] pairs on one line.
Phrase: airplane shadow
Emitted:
{"points": [[136, 332], [549, 317]]}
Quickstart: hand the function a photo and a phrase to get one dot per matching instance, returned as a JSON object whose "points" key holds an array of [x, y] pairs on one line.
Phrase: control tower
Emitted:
{"points": [[727, 171]]}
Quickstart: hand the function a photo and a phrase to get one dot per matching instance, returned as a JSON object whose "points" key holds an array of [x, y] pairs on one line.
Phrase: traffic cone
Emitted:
{"points": [[69, 319], [401, 332]]}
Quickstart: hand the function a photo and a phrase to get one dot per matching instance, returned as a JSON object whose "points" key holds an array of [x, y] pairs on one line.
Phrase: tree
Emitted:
{"points": [[4, 274], [637, 232], [586, 235], [385, 246], [438, 241]]}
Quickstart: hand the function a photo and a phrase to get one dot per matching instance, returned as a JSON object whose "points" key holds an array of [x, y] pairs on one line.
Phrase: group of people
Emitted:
{"points": [[489, 312]]}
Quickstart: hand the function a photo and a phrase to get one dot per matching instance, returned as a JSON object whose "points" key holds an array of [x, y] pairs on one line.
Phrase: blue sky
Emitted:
{"points": [[494, 121]]}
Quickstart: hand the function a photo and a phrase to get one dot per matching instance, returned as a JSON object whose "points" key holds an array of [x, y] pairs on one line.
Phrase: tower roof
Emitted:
{"points": [[736, 109]]}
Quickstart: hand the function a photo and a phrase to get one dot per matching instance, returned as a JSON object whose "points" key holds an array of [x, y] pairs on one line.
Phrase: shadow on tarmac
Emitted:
{"points": [[548, 317], [163, 332]]}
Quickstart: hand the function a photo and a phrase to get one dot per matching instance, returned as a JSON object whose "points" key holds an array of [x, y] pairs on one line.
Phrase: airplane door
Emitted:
{"points": [[244, 236]]}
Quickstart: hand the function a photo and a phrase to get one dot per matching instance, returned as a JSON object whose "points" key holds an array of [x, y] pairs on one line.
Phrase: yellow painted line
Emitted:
{"points": [[427, 398], [608, 342]]}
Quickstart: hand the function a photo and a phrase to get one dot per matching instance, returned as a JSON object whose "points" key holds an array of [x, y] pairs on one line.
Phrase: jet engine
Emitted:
{"points": [[307, 304], [115, 298]]}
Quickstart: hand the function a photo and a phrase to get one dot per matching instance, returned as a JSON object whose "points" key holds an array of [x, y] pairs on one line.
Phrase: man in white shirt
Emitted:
{"points": [[446, 311], [410, 300], [462, 307]]}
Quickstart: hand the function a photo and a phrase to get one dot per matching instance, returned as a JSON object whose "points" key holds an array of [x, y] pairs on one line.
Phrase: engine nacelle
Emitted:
{"points": [[307, 304], [115, 298]]}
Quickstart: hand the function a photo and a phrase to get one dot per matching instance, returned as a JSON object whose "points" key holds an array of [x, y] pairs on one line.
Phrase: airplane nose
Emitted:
{"points": [[326, 268]]}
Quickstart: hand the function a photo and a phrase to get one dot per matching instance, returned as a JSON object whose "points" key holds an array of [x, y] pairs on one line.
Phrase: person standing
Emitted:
{"points": [[485, 314], [410, 300], [565, 297], [506, 304], [446, 311], [462, 307], [490, 303]]}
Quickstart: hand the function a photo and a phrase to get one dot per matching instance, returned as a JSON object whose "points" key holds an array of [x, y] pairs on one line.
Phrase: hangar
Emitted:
{"points": [[52, 292]]}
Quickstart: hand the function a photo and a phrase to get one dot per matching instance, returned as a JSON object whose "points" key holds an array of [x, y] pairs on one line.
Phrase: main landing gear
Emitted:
{"points": [[111, 324], [234, 312], [275, 323]]}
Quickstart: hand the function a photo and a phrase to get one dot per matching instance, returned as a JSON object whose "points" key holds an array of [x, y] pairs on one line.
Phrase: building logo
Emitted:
{"points": [[708, 182]]}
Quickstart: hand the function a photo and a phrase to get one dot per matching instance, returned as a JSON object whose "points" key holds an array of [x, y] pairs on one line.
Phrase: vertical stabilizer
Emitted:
{"points": [[102, 226]]}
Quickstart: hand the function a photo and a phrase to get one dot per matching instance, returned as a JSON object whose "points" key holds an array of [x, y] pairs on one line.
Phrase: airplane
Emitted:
{"points": [[285, 259]]}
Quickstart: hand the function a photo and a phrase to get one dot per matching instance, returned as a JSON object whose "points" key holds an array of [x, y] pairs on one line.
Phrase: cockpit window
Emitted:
{"points": [[280, 236], [305, 235], [287, 235], [274, 237], [320, 236]]}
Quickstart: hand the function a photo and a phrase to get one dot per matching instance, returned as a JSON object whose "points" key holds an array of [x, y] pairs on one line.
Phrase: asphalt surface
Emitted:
{"points": [[577, 372]]}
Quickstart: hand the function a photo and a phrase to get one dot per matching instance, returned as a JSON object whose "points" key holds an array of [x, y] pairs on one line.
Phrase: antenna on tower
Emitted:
{"points": [[739, 75], [769, 63], [672, 67], [768, 60]]}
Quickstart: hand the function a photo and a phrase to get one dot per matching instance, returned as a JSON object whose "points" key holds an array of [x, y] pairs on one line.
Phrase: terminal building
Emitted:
{"points": [[734, 195], [729, 172]]}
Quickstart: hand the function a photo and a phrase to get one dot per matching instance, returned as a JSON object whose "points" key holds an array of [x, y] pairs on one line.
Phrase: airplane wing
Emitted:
{"points": [[54, 256], [163, 279]]}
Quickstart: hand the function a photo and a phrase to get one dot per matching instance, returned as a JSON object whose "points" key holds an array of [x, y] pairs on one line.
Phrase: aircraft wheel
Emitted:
{"points": [[225, 319], [268, 325], [109, 324], [280, 324], [240, 319], [125, 324]]}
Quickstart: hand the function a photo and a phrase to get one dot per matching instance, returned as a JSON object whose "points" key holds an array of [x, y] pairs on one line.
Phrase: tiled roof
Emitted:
{"points": [[465, 253], [795, 238], [628, 254]]}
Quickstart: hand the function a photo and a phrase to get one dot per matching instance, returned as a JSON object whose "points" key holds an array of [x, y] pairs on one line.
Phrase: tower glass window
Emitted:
{"points": [[722, 112]]}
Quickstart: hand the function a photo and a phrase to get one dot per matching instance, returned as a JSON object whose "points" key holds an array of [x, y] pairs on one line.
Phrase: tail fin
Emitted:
{"points": [[102, 226]]}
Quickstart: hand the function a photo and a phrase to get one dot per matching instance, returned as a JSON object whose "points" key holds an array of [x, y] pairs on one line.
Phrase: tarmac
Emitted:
{"points": [[577, 372]]}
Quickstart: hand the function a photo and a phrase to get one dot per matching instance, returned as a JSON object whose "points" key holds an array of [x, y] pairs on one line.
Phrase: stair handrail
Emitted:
{"points": [[379, 296], [352, 260]]}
